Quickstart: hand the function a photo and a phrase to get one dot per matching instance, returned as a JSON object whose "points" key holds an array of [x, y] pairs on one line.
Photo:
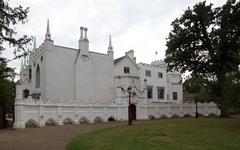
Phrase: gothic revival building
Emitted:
{"points": [[65, 85]]}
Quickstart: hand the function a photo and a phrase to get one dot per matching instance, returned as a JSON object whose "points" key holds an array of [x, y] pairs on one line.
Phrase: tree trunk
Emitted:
{"points": [[196, 112], [224, 113], [221, 82]]}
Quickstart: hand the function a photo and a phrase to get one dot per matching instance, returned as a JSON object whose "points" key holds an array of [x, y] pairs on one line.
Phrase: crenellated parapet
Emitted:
{"points": [[30, 101], [158, 64]]}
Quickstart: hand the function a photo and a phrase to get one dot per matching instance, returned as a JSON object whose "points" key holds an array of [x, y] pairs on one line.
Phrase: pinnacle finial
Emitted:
{"points": [[48, 34], [34, 43], [110, 48], [21, 64]]}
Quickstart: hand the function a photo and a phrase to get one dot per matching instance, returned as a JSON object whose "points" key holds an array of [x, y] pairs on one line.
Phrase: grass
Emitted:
{"points": [[167, 134]]}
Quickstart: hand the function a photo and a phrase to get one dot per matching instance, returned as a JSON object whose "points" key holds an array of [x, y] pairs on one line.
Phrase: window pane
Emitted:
{"points": [[174, 95], [160, 74], [160, 92], [148, 73], [38, 77], [149, 91], [126, 70]]}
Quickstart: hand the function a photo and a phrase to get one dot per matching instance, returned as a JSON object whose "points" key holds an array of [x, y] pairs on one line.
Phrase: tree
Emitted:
{"points": [[9, 18], [196, 86], [206, 42], [7, 85]]}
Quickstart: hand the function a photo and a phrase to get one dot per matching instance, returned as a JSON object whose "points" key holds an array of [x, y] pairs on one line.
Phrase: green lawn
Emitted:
{"points": [[166, 134]]}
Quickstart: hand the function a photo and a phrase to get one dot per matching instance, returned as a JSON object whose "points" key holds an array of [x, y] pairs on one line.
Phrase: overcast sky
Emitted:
{"points": [[141, 25]]}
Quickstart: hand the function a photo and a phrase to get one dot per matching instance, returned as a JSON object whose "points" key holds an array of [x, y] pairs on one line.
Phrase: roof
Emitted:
{"points": [[118, 60]]}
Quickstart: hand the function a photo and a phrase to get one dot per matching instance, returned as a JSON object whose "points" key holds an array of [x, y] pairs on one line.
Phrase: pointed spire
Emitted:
{"points": [[21, 65], [48, 34], [24, 60], [110, 48], [34, 43]]}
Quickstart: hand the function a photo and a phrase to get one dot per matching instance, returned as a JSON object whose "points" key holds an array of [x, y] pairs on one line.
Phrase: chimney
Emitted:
{"points": [[85, 33], [130, 54], [83, 41], [81, 34]]}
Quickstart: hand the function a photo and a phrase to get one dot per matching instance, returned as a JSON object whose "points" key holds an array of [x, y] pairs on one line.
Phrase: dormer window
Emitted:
{"points": [[126, 70]]}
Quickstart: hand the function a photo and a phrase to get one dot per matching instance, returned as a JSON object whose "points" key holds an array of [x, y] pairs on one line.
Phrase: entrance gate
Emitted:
{"points": [[133, 111]]}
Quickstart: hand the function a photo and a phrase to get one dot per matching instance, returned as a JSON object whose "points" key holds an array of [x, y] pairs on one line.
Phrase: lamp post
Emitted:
{"points": [[129, 90], [131, 93]]}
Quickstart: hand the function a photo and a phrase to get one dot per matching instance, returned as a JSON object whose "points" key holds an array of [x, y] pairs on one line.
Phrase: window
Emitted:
{"points": [[126, 70], [148, 73], [174, 95], [38, 77], [149, 91], [41, 58], [160, 74], [160, 91], [25, 93], [30, 74]]}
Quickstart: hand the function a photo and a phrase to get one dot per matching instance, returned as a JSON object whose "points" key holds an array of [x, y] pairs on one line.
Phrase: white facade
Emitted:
{"points": [[60, 84]]}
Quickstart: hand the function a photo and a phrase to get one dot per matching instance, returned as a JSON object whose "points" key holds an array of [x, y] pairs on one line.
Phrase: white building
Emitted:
{"points": [[60, 85]]}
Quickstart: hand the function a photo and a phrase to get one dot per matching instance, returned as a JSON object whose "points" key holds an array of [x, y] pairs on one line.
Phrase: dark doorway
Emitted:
{"points": [[133, 111]]}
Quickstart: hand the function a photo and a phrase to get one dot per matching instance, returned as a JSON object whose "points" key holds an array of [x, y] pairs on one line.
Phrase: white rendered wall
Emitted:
{"points": [[103, 87], [35, 59], [39, 112], [155, 81], [125, 80], [60, 72]]}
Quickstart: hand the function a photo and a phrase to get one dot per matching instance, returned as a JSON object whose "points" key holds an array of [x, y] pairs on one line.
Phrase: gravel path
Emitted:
{"points": [[46, 138]]}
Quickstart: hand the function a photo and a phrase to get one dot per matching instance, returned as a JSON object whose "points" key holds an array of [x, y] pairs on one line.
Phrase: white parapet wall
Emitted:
{"points": [[40, 112]]}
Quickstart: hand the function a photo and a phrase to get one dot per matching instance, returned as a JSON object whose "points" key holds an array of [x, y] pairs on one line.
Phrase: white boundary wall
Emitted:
{"points": [[39, 112]]}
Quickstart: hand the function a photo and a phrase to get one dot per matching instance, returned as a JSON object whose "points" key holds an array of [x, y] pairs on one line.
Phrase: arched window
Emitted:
{"points": [[25, 93], [38, 77], [30, 74]]}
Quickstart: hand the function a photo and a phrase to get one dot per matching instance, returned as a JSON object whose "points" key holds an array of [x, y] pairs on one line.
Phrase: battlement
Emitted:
{"points": [[158, 64]]}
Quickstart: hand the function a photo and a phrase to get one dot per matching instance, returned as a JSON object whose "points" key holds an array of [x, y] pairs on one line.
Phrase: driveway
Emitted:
{"points": [[46, 138]]}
